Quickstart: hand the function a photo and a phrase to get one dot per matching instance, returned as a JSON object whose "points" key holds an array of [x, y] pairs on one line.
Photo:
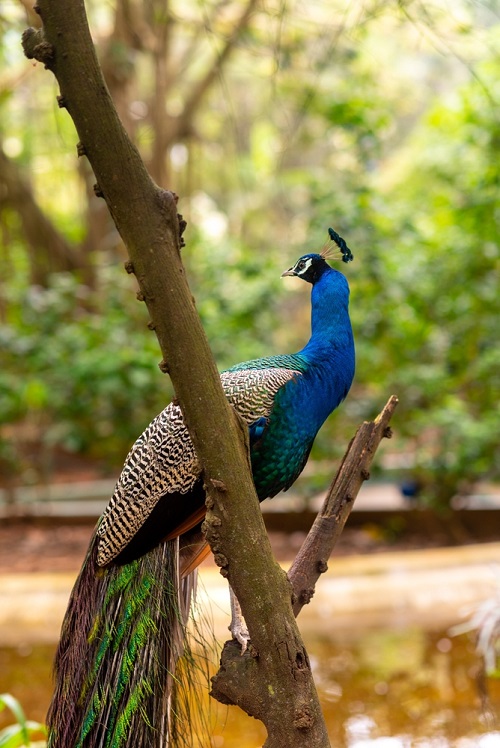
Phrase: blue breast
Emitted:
{"points": [[280, 450]]}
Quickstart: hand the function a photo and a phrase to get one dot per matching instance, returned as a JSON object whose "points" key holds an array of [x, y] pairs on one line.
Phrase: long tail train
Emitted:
{"points": [[121, 637]]}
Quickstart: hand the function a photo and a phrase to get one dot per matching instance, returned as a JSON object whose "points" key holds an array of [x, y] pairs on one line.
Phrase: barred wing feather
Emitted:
{"points": [[163, 460]]}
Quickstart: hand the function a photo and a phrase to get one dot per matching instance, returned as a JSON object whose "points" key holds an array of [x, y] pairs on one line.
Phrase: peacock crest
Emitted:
{"points": [[336, 248]]}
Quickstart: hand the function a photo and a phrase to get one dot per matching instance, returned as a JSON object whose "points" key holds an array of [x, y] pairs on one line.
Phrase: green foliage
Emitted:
{"points": [[425, 303], [90, 381], [444, 276], [86, 365], [237, 295], [20, 733], [349, 119]]}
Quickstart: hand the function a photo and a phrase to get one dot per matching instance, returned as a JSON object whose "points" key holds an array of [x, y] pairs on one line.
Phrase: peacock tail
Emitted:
{"points": [[122, 635]]}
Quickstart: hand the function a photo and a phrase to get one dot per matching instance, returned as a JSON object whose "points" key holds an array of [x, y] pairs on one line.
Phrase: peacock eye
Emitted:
{"points": [[301, 265]]}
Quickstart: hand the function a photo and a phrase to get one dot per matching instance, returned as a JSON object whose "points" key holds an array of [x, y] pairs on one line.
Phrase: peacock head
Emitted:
{"points": [[310, 267]]}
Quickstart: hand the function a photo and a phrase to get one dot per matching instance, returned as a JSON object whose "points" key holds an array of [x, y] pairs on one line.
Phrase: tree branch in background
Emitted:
{"points": [[146, 218], [31, 16], [49, 250], [181, 126], [162, 71]]}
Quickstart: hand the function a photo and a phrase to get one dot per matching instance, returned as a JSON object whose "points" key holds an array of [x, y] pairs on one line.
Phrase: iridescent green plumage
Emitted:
{"points": [[120, 642]]}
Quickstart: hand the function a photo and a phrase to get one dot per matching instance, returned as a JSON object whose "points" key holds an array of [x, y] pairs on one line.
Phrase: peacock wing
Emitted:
{"points": [[252, 391], [162, 463]]}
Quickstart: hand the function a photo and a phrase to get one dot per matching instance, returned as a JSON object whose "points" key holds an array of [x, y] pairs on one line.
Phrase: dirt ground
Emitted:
{"points": [[31, 547], [44, 546]]}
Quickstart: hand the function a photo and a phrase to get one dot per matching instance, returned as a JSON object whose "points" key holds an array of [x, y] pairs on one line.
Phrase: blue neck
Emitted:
{"points": [[329, 354], [325, 369], [331, 331]]}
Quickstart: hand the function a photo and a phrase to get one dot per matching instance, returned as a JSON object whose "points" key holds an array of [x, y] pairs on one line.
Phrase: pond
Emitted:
{"points": [[401, 688]]}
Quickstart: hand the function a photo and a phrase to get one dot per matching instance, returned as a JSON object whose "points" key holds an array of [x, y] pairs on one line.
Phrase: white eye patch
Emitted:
{"points": [[303, 266]]}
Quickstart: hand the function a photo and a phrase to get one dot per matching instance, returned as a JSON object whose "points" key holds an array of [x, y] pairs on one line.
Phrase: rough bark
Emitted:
{"points": [[146, 218]]}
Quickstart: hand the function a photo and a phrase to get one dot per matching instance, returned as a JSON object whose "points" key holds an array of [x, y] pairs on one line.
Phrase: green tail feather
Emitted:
{"points": [[121, 638]]}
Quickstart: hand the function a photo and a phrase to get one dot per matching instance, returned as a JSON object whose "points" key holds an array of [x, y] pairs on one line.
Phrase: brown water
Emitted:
{"points": [[386, 689]]}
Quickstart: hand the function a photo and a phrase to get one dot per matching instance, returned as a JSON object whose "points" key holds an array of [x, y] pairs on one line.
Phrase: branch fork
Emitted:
{"points": [[235, 676]]}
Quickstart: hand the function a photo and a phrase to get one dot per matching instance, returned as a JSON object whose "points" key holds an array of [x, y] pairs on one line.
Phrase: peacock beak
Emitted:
{"points": [[287, 272]]}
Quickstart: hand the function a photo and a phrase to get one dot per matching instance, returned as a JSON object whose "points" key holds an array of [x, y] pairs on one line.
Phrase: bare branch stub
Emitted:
{"points": [[36, 47], [328, 525]]}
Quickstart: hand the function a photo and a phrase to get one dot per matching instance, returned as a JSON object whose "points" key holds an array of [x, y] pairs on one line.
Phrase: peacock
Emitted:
{"points": [[124, 629]]}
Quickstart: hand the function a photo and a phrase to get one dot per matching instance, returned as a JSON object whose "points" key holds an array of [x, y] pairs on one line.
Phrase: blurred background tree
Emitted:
{"points": [[272, 121]]}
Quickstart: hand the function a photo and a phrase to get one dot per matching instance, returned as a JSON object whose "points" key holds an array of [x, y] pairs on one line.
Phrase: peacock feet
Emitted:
{"points": [[238, 627]]}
